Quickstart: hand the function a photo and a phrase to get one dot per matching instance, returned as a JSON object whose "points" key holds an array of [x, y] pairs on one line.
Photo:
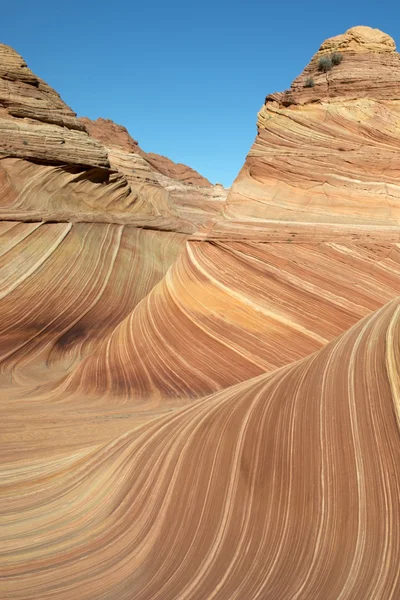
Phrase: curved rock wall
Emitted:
{"points": [[285, 485], [199, 390]]}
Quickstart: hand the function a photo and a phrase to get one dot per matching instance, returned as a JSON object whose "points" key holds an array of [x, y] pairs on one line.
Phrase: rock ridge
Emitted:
{"points": [[113, 135]]}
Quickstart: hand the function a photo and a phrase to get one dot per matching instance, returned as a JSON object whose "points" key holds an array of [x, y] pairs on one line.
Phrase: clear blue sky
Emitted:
{"points": [[186, 78]]}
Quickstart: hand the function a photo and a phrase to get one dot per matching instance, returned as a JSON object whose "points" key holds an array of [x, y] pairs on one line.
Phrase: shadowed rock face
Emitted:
{"points": [[200, 389]]}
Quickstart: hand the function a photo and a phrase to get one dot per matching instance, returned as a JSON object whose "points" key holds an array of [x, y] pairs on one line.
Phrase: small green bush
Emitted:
{"points": [[325, 64], [336, 58], [309, 82]]}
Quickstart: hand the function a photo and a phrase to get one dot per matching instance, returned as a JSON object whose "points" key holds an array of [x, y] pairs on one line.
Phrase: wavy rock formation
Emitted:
{"points": [[65, 287], [200, 389], [183, 206], [127, 194], [285, 486], [238, 310], [175, 191]]}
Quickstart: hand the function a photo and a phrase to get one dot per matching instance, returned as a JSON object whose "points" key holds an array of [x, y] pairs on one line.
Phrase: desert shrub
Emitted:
{"points": [[309, 82], [336, 58], [325, 64]]}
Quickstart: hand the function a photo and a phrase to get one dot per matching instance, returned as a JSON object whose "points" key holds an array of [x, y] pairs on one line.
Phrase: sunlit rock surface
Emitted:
{"points": [[325, 163], [199, 390], [113, 135], [35, 123], [174, 191], [284, 486]]}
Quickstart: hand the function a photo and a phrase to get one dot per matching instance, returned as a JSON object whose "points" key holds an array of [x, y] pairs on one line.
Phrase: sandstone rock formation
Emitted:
{"points": [[200, 389], [36, 124], [69, 176], [325, 163], [113, 135], [250, 308], [284, 486], [180, 195]]}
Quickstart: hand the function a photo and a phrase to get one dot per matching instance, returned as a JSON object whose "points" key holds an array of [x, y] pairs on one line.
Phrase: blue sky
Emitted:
{"points": [[185, 78]]}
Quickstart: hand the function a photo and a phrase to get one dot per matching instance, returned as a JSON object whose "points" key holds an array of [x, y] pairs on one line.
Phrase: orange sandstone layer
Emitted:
{"points": [[64, 288], [284, 486], [226, 312]]}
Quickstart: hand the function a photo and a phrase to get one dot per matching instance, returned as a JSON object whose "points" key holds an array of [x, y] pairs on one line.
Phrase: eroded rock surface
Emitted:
{"points": [[325, 163], [52, 169], [113, 135], [36, 124], [200, 389], [174, 193]]}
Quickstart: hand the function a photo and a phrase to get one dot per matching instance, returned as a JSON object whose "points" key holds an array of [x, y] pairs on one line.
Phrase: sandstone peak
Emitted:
{"points": [[324, 162], [86, 170], [368, 67], [13, 67], [36, 124], [359, 39]]}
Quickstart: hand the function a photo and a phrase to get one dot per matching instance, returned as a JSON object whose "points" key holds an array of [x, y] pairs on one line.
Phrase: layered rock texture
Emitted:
{"points": [[178, 193], [113, 135], [200, 389], [36, 124], [325, 163], [51, 169]]}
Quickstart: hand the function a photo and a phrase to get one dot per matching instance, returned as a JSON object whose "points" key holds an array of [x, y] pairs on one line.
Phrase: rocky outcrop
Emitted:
{"points": [[325, 163], [188, 206], [175, 194], [110, 134], [113, 135], [52, 170], [36, 124], [24, 95], [368, 69], [176, 171]]}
